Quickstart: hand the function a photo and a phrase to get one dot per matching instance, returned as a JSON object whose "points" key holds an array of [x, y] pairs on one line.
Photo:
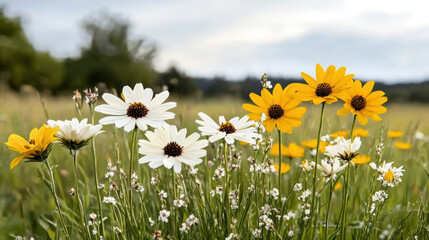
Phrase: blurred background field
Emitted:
{"points": [[37, 83], [25, 201]]}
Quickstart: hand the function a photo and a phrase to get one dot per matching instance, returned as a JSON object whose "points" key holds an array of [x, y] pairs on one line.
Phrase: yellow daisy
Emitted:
{"points": [[360, 132], [280, 109], [338, 186], [394, 134], [363, 103], [361, 159], [294, 151], [312, 144], [327, 87], [275, 149], [342, 133], [285, 167], [36, 148], [402, 145]]}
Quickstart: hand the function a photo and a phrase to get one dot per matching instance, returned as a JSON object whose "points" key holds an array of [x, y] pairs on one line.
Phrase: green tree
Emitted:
{"points": [[16, 52], [20, 63], [177, 82], [111, 57]]}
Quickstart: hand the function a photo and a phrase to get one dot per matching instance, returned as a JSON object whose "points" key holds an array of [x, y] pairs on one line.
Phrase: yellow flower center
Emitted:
{"points": [[323, 89], [358, 102], [227, 127], [275, 111], [388, 176], [137, 110], [173, 149]]}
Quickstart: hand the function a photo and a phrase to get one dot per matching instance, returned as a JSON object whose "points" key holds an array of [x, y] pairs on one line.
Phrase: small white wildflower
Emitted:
{"points": [[162, 194], [232, 236], [290, 233], [274, 193], [93, 216], [419, 135], [179, 203], [110, 200], [219, 172], [304, 195], [372, 208], [297, 187], [184, 228], [163, 215], [325, 138], [307, 166], [256, 233], [117, 230], [193, 171], [219, 189], [151, 221], [379, 196], [153, 181], [289, 215]]}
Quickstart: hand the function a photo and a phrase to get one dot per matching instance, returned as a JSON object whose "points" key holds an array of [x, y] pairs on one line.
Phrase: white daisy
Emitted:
{"points": [[344, 149], [330, 168], [139, 109], [389, 175], [169, 147], [74, 134], [239, 129], [163, 215]]}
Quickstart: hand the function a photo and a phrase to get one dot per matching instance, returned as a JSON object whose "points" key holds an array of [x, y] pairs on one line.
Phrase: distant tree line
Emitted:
{"points": [[113, 58], [110, 57]]}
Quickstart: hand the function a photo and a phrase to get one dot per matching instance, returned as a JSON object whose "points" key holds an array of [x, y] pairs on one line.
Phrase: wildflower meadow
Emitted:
{"points": [[329, 158]]}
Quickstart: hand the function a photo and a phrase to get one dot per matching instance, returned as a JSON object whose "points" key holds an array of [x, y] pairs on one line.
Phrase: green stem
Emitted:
{"points": [[280, 164], [57, 203], [174, 198], [225, 146], [133, 143], [94, 155], [79, 202], [329, 206], [313, 201], [346, 188]]}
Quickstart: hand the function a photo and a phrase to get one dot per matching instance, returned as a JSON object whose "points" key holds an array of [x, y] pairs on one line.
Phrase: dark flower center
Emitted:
{"points": [[173, 149], [137, 110], [275, 111], [323, 90], [227, 127], [358, 102]]}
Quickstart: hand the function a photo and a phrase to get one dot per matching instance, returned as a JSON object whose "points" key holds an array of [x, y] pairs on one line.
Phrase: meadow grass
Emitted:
{"points": [[26, 204]]}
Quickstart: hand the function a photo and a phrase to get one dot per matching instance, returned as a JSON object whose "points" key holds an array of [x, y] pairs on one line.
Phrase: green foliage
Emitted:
{"points": [[110, 57], [177, 82]]}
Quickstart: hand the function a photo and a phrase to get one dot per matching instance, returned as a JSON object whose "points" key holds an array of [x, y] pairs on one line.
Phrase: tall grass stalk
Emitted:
{"points": [[74, 153], [313, 194], [95, 166], [346, 188], [54, 193], [280, 164]]}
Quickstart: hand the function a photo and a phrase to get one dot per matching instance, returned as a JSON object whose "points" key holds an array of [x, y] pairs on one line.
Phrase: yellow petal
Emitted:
{"points": [[15, 162], [343, 111], [320, 73]]}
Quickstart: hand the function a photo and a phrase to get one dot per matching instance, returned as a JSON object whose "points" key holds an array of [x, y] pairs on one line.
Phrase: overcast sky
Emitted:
{"points": [[384, 40]]}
